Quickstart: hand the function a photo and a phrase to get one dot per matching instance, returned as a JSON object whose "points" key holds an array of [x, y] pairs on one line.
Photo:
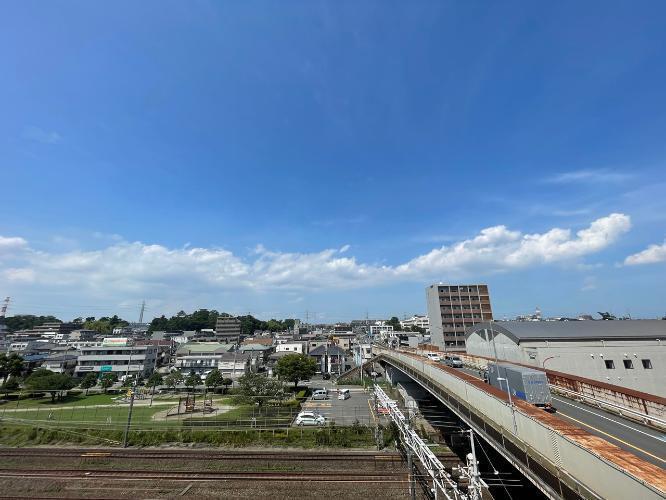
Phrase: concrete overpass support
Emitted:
{"points": [[564, 461], [395, 376]]}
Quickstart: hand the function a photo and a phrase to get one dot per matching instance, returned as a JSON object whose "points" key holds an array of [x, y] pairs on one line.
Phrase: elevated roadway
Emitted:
{"points": [[557, 454], [648, 444]]}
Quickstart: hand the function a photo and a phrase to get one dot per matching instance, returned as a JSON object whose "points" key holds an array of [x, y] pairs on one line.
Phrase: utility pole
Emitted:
{"points": [[473, 471], [410, 476], [129, 418]]}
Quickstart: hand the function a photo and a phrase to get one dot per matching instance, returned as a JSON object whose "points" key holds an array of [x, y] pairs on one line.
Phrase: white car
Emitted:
{"points": [[309, 418], [433, 356]]}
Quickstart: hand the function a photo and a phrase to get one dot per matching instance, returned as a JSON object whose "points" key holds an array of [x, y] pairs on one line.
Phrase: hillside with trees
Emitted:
{"points": [[27, 321], [204, 318]]}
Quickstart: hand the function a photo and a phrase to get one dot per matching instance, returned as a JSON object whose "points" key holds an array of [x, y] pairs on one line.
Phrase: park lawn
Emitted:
{"points": [[83, 414], [69, 400], [115, 417]]}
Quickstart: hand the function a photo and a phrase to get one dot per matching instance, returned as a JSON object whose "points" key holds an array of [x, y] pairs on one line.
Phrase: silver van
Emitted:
{"points": [[320, 394], [344, 394]]}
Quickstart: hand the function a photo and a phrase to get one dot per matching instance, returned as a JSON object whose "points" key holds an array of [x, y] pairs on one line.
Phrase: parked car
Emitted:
{"points": [[309, 418], [453, 361], [433, 356], [320, 394]]}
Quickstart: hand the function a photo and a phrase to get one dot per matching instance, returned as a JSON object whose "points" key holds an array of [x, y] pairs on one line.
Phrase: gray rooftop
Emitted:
{"points": [[570, 330]]}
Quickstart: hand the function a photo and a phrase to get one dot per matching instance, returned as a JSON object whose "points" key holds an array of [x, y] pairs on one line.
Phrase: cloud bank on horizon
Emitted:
{"points": [[136, 268]]}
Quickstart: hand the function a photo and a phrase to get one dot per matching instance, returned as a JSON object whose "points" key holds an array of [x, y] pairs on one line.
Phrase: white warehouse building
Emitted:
{"points": [[629, 354]]}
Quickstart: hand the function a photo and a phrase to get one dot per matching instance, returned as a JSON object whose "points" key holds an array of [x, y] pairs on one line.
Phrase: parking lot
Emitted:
{"points": [[343, 412]]}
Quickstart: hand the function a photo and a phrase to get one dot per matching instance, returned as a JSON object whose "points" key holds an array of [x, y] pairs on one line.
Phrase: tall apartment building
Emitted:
{"points": [[227, 329], [452, 309]]}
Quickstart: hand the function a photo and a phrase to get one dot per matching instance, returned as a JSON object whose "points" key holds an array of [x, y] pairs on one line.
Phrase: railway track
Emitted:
{"points": [[96, 474], [195, 455], [206, 455]]}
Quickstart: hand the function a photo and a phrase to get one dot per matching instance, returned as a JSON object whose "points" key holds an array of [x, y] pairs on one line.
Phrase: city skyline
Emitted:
{"points": [[338, 163]]}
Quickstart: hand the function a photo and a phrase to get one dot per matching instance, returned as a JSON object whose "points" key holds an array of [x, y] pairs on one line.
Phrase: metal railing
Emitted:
{"points": [[622, 410]]}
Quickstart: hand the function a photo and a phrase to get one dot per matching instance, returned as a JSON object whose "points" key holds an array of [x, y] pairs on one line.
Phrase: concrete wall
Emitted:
{"points": [[584, 358]]}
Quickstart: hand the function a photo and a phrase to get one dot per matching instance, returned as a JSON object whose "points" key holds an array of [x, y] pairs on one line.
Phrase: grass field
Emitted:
{"points": [[339, 437], [110, 412]]}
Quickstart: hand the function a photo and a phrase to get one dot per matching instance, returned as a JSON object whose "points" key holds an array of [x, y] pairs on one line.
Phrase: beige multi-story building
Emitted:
{"points": [[228, 329], [452, 309]]}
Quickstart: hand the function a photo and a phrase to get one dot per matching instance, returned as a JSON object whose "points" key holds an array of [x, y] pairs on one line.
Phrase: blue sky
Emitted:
{"points": [[334, 157]]}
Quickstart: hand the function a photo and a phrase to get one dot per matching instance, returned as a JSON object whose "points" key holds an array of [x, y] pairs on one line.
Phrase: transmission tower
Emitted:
{"points": [[143, 308], [5, 305]]}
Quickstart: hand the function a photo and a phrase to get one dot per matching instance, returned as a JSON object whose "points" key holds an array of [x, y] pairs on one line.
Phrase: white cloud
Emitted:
{"points": [[601, 175], [10, 244], [37, 134], [651, 255], [134, 268]]}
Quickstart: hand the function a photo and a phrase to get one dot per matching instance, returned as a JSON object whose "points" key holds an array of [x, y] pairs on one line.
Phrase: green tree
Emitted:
{"points": [[193, 380], [90, 380], [395, 323], [258, 389], [154, 380], [173, 379], [10, 365], [11, 385], [107, 380], [226, 382], [27, 321], [46, 380], [296, 367], [214, 379]]}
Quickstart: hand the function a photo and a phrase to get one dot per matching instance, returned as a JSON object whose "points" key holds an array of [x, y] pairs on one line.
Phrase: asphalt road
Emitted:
{"points": [[342, 411], [642, 441]]}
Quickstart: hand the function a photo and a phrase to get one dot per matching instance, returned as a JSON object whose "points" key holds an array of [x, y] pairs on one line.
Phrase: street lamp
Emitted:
{"points": [[543, 363], [513, 411]]}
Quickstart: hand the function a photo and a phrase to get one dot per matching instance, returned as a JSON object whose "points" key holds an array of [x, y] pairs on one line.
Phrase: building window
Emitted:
{"points": [[610, 364], [647, 364], [628, 364]]}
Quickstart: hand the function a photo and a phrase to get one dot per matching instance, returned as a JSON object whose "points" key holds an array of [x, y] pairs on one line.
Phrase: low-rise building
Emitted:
{"points": [[293, 347], [61, 363], [329, 358], [380, 331], [118, 356], [234, 365], [201, 357], [630, 354], [420, 321]]}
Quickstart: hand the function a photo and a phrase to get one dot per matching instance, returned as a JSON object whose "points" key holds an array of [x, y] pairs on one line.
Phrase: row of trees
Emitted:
{"points": [[204, 318], [29, 321], [198, 320], [253, 387]]}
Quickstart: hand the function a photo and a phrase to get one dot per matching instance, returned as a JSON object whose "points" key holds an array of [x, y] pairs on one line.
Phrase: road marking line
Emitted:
{"points": [[612, 437], [608, 418]]}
